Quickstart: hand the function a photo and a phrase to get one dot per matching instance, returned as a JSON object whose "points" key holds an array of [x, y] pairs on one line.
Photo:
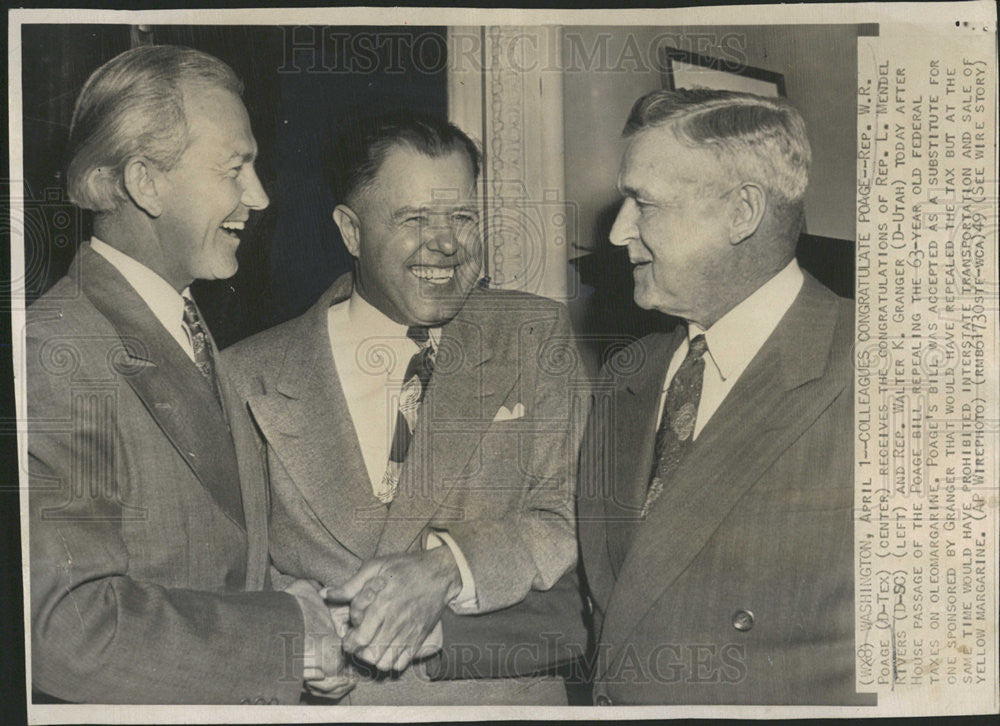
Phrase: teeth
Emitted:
{"points": [[232, 225], [437, 275]]}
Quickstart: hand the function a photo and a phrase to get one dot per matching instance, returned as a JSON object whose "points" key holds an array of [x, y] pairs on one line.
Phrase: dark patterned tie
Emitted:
{"points": [[677, 424], [415, 380], [202, 345]]}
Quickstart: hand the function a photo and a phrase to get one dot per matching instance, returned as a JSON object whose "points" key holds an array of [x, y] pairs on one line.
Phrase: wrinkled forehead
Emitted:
{"points": [[408, 176], [656, 156]]}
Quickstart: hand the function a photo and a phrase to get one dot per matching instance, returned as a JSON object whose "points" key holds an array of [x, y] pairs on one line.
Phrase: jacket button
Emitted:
{"points": [[245, 701], [602, 699], [743, 620], [260, 701]]}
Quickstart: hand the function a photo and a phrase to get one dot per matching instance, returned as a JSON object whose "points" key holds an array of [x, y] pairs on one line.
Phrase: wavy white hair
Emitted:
{"points": [[756, 138], [134, 105]]}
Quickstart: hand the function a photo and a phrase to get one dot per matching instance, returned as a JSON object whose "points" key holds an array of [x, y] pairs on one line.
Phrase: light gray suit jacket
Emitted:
{"points": [[754, 527], [148, 513], [502, 489]]}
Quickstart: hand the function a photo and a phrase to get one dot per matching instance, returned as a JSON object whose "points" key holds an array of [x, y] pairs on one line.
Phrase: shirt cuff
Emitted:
{"points": [[466, 601]]}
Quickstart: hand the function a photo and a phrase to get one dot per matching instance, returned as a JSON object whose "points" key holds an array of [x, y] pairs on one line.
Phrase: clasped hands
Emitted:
{"points": [[382, 616], [393, 604]]}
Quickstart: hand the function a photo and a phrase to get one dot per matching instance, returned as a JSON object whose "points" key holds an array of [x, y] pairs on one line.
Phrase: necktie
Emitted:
{"points": [[679, 414], [202, 345], [415, 380]]}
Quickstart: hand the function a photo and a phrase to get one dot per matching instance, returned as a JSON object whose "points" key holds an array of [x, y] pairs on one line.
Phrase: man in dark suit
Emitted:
{"points": [[148, 502], [419, 438], [716, 482]]}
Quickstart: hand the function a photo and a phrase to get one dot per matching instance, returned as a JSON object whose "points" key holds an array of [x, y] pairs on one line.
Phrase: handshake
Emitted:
{"points": [[387, 615]]}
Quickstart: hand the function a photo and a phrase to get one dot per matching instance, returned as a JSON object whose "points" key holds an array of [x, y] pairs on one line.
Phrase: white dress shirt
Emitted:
{"points": [[160, 297], [734, 340], [371, 353]]}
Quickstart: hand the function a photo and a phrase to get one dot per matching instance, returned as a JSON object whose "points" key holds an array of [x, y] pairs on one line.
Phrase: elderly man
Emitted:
{"points": [[716, 476], [419, 439], [148, 504]]}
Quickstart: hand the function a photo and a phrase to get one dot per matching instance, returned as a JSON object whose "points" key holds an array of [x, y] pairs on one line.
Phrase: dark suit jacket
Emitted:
{"points": [[502, 489], [147, 518], [754, 528]]}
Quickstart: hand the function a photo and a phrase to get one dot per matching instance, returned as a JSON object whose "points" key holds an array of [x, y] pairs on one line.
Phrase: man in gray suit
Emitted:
{"points": [[716, 482], [148, 502], [419, 438]]}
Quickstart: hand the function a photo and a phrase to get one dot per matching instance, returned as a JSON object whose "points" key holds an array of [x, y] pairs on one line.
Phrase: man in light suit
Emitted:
{"points": [[435, 500], [148, 502], [716, 482]]}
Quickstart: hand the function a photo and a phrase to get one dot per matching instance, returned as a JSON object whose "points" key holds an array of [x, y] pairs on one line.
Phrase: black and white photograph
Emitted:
{"points": [[422, 359]]}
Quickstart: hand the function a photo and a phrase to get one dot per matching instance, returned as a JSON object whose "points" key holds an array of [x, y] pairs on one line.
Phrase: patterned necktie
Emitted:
{"points": [[202, 345], [418, 374], [679, 414]]}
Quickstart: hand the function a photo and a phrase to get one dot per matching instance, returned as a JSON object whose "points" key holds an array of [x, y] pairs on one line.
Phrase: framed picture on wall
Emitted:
{"points": [[684, 69]]}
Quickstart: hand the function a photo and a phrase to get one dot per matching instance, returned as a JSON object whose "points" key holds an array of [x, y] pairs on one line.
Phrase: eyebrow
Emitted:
{"points": [[628, 190], [243, 157], [407, 211]]}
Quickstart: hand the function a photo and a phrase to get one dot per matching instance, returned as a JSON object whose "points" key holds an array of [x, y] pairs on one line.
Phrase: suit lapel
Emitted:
{"points": [[177, 396], [784, 389], [472, 378], [307, 423], [253, 482], [637, 402]]}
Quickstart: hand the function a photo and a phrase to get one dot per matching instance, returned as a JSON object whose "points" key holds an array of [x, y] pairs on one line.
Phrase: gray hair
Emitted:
{"points": [[134, 105], [756, 138]]}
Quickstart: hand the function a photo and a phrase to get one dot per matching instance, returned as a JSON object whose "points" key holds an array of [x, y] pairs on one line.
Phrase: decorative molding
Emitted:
{"points": [[511, 96]]}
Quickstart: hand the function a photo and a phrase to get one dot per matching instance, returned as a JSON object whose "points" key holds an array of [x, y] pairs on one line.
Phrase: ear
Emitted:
{"points": [[350, 228], [749, 205], [140, 179]]}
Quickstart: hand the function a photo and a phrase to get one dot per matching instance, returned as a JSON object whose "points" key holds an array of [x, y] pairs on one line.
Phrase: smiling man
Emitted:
{"points": [[716, 481], [419, 442], [148, 504]]}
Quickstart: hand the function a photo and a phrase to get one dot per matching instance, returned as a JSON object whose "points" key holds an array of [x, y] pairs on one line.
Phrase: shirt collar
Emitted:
{"points": [[737, 336], [161, 298], [366, 321]]}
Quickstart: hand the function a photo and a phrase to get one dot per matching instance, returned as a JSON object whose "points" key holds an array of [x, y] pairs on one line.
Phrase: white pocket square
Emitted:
{"points": [[510, 414]]}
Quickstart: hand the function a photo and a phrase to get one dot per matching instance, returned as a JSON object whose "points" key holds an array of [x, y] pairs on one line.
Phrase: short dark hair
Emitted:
{"points": [[362, 143], [134, 104]]}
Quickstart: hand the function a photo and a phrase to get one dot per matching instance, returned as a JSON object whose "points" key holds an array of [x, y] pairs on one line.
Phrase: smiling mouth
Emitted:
{"points": [[432, 274], [231, 229]]}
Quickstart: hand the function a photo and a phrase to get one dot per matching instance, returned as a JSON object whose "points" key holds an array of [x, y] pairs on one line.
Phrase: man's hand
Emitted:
{"points": [[322, 667], [395, 603]]}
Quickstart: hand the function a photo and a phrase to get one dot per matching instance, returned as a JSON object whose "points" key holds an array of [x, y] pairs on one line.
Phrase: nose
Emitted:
{"points": [[443, 239], [623, 230], [254, 195]]}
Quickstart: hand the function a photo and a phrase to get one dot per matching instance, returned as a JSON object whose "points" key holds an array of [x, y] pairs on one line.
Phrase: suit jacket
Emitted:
{"points": [[738, 587], [148, 513], [502, 489]]}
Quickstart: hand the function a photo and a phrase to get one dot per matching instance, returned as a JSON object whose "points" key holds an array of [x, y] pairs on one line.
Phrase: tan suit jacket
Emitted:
{"points": [[147, 513], [738, 587], [502, 489]]}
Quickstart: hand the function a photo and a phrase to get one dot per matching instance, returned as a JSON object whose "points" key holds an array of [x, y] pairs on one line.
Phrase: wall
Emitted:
{"points": [[606, 69]]}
